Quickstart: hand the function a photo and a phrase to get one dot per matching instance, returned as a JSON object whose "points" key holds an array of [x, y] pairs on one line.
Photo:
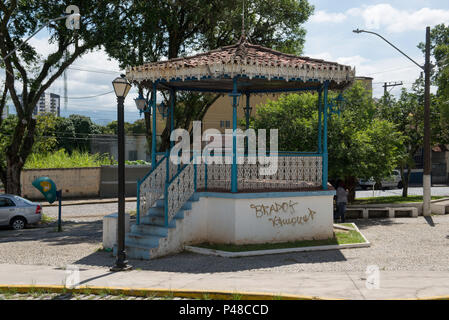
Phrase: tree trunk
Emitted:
{"points": [[350, 185], [13, 171]]}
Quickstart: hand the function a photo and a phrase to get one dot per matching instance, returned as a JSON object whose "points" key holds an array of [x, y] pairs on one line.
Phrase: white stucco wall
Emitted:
{"points": [[258, 220]]}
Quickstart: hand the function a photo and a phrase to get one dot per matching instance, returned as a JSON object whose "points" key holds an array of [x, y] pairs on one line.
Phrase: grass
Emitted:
{"points": [[62, 159], [46, 219], [341, 237], [391, 199]]}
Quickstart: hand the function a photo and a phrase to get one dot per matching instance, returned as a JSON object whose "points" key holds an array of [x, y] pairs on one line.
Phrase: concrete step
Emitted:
{"points": [[157, 221], [135, 239], [148, 229], [138, 252], [159, 212]]}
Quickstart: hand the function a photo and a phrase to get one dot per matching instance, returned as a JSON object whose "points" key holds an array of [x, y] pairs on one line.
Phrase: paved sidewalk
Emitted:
{"points": [[338, 285]]}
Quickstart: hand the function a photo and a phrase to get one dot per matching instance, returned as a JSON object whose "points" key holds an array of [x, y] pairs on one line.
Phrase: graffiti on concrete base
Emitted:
{"points": [[276, 214]]}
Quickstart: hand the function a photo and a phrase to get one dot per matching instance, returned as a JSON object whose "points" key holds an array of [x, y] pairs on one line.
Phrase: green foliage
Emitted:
{"points": [[6, 132], [440, 51], [296, 117], [138, 127], [153, 30], [359, 144], [45, 143], [62, 159], [407, 113]]}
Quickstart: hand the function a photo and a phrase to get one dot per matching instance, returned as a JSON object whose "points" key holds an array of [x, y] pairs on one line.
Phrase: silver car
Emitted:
{"points": [[17, 212]]}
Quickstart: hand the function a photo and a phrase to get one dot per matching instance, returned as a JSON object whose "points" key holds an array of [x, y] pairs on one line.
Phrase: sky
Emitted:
{"points": [[329, 37]]}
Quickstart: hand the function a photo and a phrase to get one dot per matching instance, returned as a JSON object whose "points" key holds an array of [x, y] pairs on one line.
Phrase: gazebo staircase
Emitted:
{"points": [[164, 197]]}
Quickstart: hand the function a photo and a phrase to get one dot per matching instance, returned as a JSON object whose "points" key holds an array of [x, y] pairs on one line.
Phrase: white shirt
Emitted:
{"points": [[342, 195]]}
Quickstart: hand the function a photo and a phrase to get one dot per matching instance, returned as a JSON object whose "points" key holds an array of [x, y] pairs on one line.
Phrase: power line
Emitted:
{"points": [[89, 97], [94, 71], [391, 70]]}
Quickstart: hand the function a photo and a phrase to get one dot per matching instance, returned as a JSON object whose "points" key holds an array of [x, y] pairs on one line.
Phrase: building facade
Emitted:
{"points": [[48, 103]]}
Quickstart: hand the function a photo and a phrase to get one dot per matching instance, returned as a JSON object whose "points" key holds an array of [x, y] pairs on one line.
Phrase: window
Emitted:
{"points": [[225, 124], [5, 202]]}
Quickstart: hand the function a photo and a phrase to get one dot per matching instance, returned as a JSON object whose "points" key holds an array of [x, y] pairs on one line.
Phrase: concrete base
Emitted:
{"points": [[110, 229], [259, 218]]}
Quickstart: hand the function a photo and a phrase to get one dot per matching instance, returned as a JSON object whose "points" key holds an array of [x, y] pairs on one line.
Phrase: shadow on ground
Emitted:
{"points": [[186, 262], [73, 233]]}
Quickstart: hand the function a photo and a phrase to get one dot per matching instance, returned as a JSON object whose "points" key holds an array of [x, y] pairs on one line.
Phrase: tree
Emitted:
{"points": [[177, 28], [440, 52], [359, 144], [34, 74], [407, 113]]}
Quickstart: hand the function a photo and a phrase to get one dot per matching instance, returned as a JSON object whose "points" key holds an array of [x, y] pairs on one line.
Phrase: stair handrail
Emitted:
{"points": [[189, 173], [148, 203]]}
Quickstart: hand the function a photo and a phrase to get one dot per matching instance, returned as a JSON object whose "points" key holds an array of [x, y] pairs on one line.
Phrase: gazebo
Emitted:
{"points": [[198, 202]]}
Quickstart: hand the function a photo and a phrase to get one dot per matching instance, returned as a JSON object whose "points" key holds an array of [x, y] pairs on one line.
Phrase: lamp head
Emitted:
{"points": [[141, 103], [121, 86]]}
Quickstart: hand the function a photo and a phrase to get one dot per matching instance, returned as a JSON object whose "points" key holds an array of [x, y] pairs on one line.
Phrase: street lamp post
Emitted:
{"points": [[121, 88], [427, 68]]}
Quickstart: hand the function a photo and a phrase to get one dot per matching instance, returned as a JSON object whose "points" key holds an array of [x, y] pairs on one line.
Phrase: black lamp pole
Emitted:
{"points": [[121, 264]]}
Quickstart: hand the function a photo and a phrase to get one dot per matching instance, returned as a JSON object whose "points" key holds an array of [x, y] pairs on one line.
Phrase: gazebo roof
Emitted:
{"points": [[258, 69]]}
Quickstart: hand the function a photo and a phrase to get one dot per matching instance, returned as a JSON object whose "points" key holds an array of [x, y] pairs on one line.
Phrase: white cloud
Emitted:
{"points": [[323, 16], [394, 20]]}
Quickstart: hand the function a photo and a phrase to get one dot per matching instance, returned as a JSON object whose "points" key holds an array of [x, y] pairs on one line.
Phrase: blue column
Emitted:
{"points": [[320, 128], [234, 187], [247, 110], [172, 114], [325, 154], [153, 139]]}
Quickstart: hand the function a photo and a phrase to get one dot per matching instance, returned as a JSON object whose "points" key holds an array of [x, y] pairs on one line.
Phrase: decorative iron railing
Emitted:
{"points": [[151, 187], [293, 171], [179, 190]]}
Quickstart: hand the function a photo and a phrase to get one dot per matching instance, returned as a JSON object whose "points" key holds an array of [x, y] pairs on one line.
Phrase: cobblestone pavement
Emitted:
{"points": [[406, 244]]}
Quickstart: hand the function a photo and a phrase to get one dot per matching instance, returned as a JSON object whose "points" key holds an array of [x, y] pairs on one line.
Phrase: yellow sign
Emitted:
{"points": [[46, 186]]}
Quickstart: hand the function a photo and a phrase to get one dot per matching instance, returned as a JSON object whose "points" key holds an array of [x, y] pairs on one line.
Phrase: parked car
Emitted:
{"points": [[17, 212], [393, 181]]}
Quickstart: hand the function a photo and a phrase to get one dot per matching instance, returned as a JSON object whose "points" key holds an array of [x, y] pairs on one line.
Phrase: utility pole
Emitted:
{"points": [[427, 184], [391, 84], [427, 68]]}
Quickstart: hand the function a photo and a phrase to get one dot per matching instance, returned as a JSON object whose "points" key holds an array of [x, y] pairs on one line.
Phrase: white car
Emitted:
{"points": [[17, 212], [393, 181]]}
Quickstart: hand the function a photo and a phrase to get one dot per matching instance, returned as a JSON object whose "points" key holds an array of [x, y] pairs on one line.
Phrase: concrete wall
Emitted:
{"points": [[135, 146], [109, 180], [252, 220], [74, 182], [84, 182]]}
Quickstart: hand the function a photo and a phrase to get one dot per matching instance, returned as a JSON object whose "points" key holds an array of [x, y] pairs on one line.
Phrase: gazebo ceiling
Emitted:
{"points": [[257, 68]]}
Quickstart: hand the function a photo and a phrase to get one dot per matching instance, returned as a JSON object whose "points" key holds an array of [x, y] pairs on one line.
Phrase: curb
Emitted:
{"points": [[192, 294], [155, 292], [228, 254]]}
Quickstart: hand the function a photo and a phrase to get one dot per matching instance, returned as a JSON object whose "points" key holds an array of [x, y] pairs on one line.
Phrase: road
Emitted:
{"points": [[436, 191], [87, 212]]}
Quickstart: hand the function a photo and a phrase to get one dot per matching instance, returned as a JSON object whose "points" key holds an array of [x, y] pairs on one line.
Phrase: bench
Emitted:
{"points": [[391, 211]]}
